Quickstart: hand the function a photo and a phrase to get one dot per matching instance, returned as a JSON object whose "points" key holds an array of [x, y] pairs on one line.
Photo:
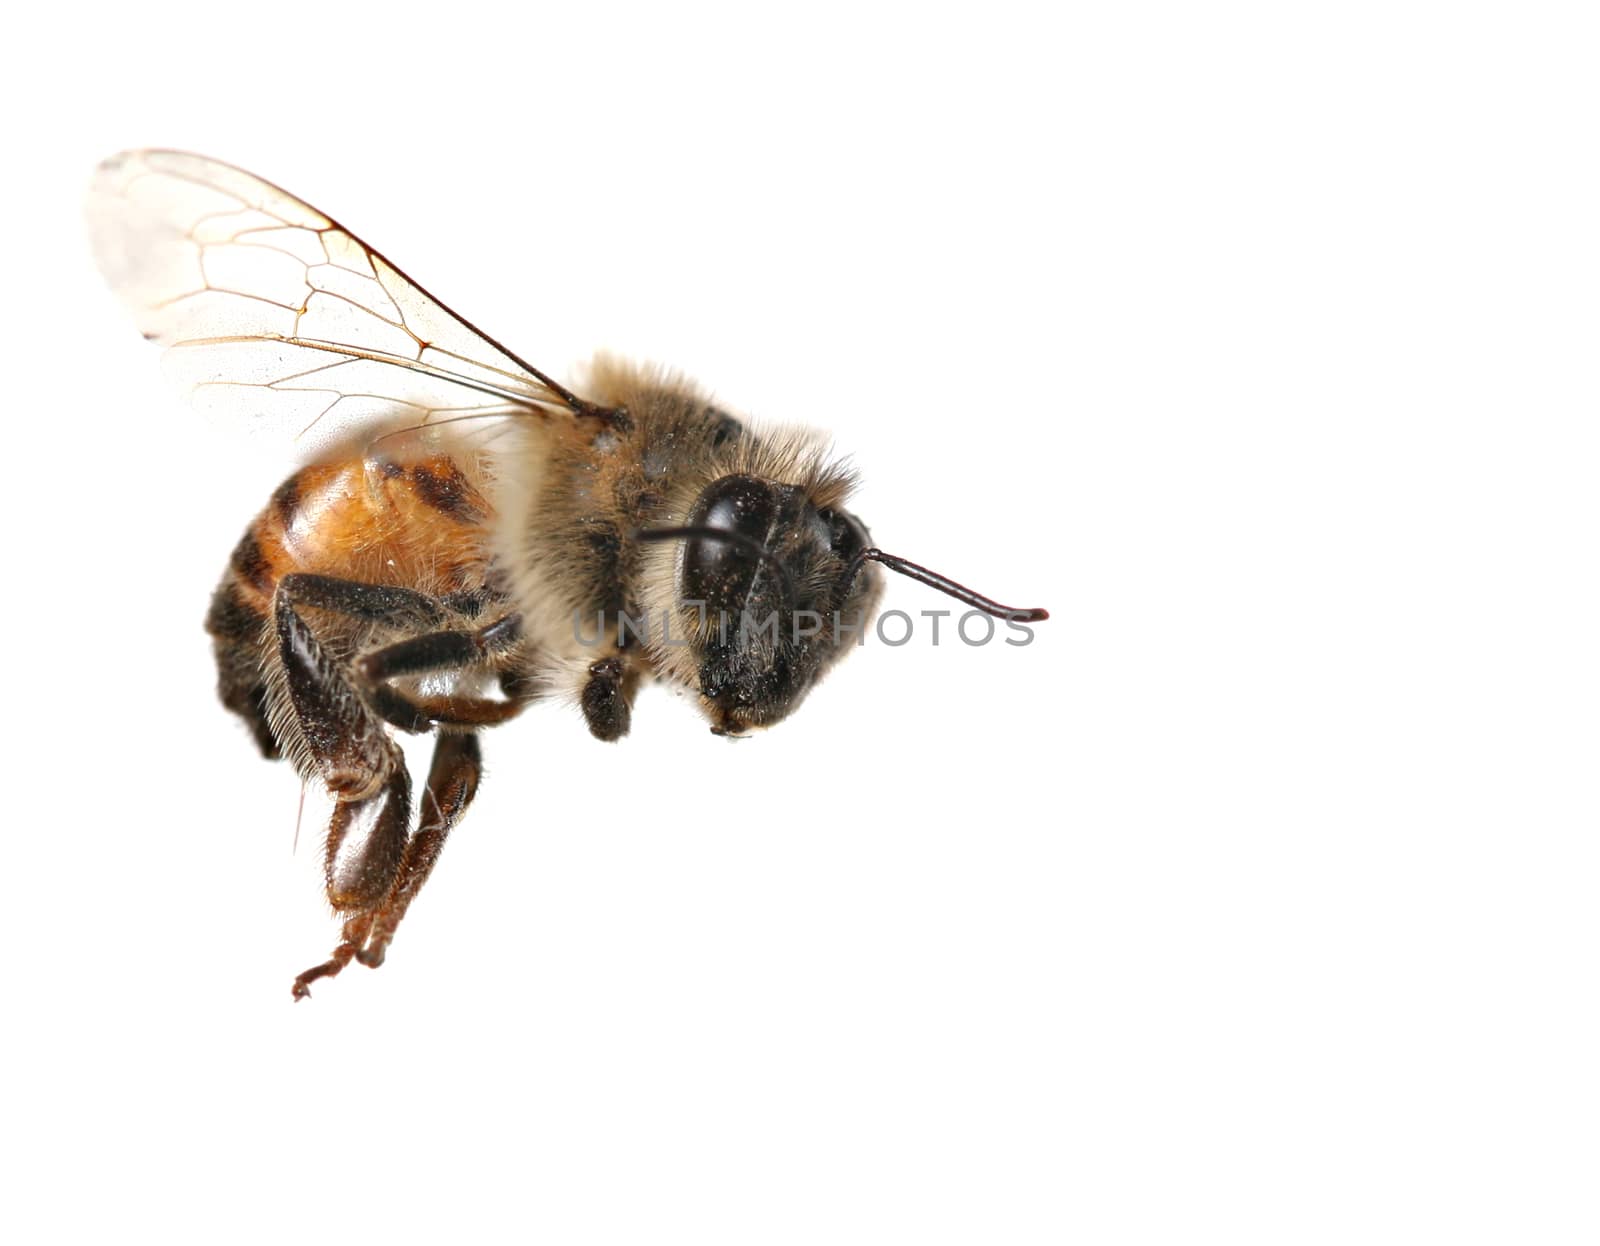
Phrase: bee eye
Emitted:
{"points": [[720, 573]]}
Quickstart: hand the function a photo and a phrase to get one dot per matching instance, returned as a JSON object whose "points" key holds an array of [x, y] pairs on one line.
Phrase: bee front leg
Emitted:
{"points": [[607, 698]]}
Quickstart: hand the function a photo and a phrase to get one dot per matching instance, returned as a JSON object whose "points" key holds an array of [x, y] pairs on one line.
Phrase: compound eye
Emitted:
{"points": [[720, 573]]}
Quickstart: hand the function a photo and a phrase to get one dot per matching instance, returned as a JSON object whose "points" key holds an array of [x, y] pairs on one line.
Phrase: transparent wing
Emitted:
{"points": [[275, 314]]}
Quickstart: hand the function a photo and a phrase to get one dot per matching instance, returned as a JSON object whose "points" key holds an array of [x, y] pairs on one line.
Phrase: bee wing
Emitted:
{"points": [[273, 312]]}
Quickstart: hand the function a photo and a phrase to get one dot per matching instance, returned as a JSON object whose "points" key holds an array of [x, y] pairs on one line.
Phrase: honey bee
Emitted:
{"points": [[467, 535]]}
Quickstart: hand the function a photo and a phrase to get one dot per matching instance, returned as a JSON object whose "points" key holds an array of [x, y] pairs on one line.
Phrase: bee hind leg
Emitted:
{"points": [[374, 869], [367, 848], [452, 783], [354, 755]]}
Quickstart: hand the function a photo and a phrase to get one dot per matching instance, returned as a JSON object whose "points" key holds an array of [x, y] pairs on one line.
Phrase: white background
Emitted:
{"points": [[1253, 903]]}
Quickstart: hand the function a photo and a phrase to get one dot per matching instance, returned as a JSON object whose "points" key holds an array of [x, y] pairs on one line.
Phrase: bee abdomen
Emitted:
{"points": [[418, 526], [237, 628]]}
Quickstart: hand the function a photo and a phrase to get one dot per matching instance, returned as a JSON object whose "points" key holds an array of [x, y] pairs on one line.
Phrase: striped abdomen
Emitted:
{"points": [[418, 526]]}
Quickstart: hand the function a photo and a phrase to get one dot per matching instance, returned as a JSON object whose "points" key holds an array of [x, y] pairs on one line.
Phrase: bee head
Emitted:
{"points": [[773, 580], [770, 583]]}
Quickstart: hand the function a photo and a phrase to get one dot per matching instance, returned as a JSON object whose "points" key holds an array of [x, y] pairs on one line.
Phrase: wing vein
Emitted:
{"points": [[221, 268]]}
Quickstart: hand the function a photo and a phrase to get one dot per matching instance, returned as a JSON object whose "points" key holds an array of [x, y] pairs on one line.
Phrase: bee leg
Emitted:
{"points": [[348, 745], [442, 651], [377, 603], [456, 711], [352, 752], [607, 698], [493, 643], [452, 783], [365, 854]]}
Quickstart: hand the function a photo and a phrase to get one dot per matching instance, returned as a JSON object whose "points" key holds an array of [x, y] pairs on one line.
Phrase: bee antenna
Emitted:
{"points": [[768, 558], [944, 584]]}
